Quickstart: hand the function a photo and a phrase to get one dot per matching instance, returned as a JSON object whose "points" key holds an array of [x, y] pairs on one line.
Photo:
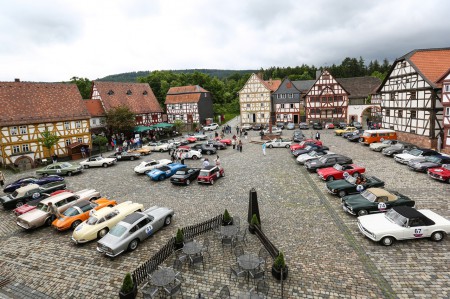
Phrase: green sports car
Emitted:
{"points": [[60, 168], [348, 185]]}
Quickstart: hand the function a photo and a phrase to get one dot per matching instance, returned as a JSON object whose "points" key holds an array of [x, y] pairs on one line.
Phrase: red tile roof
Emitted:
{"points": [[31, 103], [272, 84], [184, 94], [186, 89], [94, 107], [432, 63], [139, 97]]}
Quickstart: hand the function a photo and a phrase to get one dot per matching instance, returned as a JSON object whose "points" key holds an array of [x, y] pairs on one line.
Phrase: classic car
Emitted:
{"points": [[348, 185], [290, 126], [158, 146], [428, 162], [30, 192], [309, 148], [327, 161], [163, 172], [303, 126], [379, 146], [31, 205], [210, 127], [98, 161], [402, 223], [357, 125], [200, 136], [79, 212], [100, 222], [60, 168], [337, 171], [279, 142], [210, 174], [414, 154], [298, 136], [257, 127], [397, 148], [204, 148], [280, 125], [185, 176], [374, 200], [275, 131], [146, 166], [304, 144], [440, 173], [141, 151], [225, 141], [133, 229], [329, 126], [357, 132], [314, 154], [40, 216], [123, 156], [216, 144], [31, 180], [188, 153], [317, 126], [341, 125], [246, 127], [355, 137], [340, 132]]}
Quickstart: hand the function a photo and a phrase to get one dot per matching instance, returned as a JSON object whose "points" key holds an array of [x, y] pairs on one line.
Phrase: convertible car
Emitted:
{"points": [[185, 176], [327, 160], [315, 154], [135, 228], [374, 200], [141, 151], [146, 166], [30, 192], [163, 172], [402, 223], [98, 161], [337, 171], [101, 221], [310, 148], [349, 186], [31, 180], [440, 173], [304, 144]]}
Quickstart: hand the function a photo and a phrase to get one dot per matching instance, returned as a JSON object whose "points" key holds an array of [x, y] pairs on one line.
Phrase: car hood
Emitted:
{"points": [[425, 164], [155, 172], [379, 224], [440, 171], [33, 215], [110, 241], [327, 171], [406, 156], [84, 230], [339, 184], [356, 199]]}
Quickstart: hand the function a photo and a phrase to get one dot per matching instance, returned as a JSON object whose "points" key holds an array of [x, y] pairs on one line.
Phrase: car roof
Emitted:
{"points": [[409, 212], [57, 197], [209, 167], [82, 203], [132, 218], [379, 191], [28, 187]]}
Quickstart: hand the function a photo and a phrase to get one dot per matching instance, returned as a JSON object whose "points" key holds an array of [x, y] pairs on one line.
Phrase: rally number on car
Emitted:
{"points": [[381, 206], [58, 170], [418, 233], [149, 230], [36, 195], [168, 172], [119, 157]]}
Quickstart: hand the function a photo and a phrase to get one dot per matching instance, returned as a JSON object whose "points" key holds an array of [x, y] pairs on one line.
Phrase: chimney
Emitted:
{"points": [[17, 80], [318, 73]]}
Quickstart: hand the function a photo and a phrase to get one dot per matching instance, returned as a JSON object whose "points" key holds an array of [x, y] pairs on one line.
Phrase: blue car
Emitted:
{"points": [[163, 172], [32, 180]]}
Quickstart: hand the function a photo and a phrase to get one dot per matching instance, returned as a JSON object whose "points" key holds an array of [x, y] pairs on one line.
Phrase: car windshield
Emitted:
{"points": [[66, 165], [369, 196], [386, 142], [302, 143], [42, 207], [164, 168], [71, 212], [338, 167], [446, 166], [396, 218], [433, 159], [398, 145], [366, 134], [323, 159], [181, 172], [204, 173], [351, 180], [308, 147], [14, 194], [312, 153], [415, 152], [92, 220], [118, 230]]}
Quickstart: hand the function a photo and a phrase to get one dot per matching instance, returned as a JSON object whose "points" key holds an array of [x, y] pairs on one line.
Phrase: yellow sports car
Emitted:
{"points": [[142, 151], [101, 221], [339, 132]]}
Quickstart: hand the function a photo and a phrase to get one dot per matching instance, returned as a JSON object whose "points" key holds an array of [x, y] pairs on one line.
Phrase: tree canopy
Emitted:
{"points": [[120, 119], [48, 140]]}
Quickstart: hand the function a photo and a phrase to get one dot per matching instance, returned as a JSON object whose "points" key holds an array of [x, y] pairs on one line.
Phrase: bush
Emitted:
{"points": [[279, 262], [179, 238], [127, 285], [226, 216], [254, 220]]}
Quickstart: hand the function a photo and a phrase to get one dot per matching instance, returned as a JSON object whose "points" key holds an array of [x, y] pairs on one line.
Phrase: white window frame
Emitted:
{"points": [[23, 130], [292, 105], [67, 125], [15, 149], [13, 131], [447, 87], [447, 111], [80, 140], [78, 124], [262, 115], [248, 105], [25, 147], [262, 104], [68, 142], [94, 121]]}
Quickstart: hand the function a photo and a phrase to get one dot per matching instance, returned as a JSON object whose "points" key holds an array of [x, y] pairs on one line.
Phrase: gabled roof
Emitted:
{"points": [[445, 74], [184, 94], [271, 84], [138, 97], [304, 85], [359, 87], [31, 103], [94, 107]]}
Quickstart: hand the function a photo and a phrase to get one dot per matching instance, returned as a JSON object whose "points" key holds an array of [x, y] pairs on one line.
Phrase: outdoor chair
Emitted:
{"points": [[226, 241], [149, 291], [237, 221], [264, 255], [197, 260], [224, 293], [206, 246], [237, 272], [238, 251], [174, 289], [262, 288], [257, 275], [178, 267], [179, 255], [242, 236]]}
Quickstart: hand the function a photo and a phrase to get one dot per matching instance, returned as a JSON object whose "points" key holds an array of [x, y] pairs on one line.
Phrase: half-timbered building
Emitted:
{"points": [[29, 109], [411, 96], [255, 100], [98, 118], [191, 104], [138, 97], [445, 82]]}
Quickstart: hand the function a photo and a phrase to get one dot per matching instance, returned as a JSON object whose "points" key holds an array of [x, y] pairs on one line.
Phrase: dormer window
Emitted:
{"points": [[145, 93], [110, 92], [129, 92]]}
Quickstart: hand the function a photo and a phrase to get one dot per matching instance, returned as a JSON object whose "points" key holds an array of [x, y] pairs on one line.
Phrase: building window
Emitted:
{"points": [[25, 147], [23, 130], [16, 149], [262, 115], [412, 95], [67, 125], [262, 104], [447, 87], [68, 142], [80, 140], [13, 130], [78, 124], [400, 114], [94, 121], [292, 105], [248, 96], [278, 116], [320, 87], [388, 112], [262, 95], [413, 114], [447, 111], [403, 64], [248, 105]]}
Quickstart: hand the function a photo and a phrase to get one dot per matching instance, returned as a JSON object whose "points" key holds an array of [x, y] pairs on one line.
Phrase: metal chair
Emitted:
{"points": [[180, 255], [242, 236], [196, 260], [174, 289], [263, 255], [206, 246], [257, 274], [262, 288], [226, 241], [237, 221], [238, 251], [149, 292], [224, 293], [178, 267], [237, 272]]}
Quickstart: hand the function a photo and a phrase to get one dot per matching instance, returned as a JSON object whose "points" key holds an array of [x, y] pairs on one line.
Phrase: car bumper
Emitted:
{"points": [[367, 233], [24, 225], [348, 210], [400, 160], [108, 252], [436, 176], [81, 241], [331, 191]]}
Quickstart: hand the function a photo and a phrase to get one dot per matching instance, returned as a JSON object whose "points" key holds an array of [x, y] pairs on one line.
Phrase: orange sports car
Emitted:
{"points": [[79, 212]]}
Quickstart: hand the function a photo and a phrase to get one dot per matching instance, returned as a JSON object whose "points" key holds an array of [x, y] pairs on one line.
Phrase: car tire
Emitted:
{"points": [[207, 152], [19, 203], [437, 236], [85, 166], [102, 232], [105, 165], [133, 245], [223, 174], [356, 174], [194, 157], [132, 159], [362, 213], [212, 182], [188, 182], [161, 177], [45, 174], [161, 150], [69, 173], [75, 224], [387, 241], [168, 220], [330, 178], [287, 146], [270, 146]]}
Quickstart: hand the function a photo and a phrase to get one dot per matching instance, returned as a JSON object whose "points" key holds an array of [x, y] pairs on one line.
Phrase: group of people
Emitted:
{"points": [[236, 142], [226, 129]]}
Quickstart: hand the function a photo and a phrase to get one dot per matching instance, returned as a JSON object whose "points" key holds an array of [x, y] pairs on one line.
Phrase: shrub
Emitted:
{"points": [[254, 220], [179, 237], [226, 216], [127, 285], [279, 262]]}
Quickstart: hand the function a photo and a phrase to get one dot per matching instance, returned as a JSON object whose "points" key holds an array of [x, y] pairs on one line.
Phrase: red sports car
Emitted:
{"points": [[304, 144], [440, 173], [210, 174], [191, 139], [337, 171], [31, 205], [225, 141]]}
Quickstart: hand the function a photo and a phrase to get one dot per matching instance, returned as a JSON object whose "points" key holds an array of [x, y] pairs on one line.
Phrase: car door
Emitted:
{"points": [[145, 228], [330, 161], [415, 229]]}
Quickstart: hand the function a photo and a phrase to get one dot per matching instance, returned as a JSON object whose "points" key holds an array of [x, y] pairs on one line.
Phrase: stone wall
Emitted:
{"points": [[421, 141]]}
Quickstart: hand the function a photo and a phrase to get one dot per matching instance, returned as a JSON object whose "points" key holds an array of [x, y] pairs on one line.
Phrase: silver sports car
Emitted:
{"points": [[133, 229]]}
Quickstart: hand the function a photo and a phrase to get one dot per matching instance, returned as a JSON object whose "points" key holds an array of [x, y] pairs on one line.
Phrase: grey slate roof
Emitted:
{"points": [[359, 87]]}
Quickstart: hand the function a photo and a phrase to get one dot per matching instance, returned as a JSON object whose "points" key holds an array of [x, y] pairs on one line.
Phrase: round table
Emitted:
{"points": [[192, 248], [163, 277], [229, 230], [248, 261]]}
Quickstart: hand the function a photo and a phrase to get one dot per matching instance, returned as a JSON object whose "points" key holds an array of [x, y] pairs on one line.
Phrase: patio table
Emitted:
{"points": [[248, 296], [248, 262], [229, 230], [192, 248], [163, 277]]}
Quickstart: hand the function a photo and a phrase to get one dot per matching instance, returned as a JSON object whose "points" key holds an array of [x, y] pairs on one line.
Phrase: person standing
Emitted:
{"points": [[245, 134], [83, 152], [237, 130], [2, 179], [240, 146], [182, 156], [205, 163], [217, 160], [264, 148], [54, 212], [317, 135], [55, 158], [233, 143]]}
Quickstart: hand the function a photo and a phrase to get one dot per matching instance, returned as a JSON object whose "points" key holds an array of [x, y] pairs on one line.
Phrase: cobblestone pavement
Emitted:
{"points": [[327, 255]]}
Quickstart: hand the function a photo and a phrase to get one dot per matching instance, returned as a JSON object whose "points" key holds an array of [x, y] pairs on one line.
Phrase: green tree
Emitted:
{"points": [[379, 75], [120, 119], [179, 124], [84, 86], [48, 140], [100, 141]]}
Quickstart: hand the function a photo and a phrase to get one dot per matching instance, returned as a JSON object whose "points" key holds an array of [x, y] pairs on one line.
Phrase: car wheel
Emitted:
{"points": [[168, 220], [133, 244], [161, 150], [69, 173], [48, 221], [270, 146], [330, 178], [362, 212], [223, 174], [342, 193], [212, 182], [45, 174], [356, 174], [102, 232], [132, 158], [75, 224], [194, 157], [188, 182], [287, 146], [147, 171], [85, 166], [437, 236], [161, 177], [208, 152], [105, 165], [387, 241], [19, 204]]}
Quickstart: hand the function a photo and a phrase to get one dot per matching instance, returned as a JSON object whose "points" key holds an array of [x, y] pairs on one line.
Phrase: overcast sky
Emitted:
{"points": [[54, 40]]}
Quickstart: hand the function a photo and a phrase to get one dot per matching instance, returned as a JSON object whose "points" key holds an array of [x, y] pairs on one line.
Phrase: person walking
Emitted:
{"points": [[264, 148], [83, 152], [217, 160], [2, 179], [240, 146], [182, 156], [237, 130], [205, 163], [317, 135], [233, 143]]}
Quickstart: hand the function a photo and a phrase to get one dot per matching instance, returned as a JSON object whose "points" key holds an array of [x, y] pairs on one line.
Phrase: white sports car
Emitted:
{"points": [[158, 146], [311, 155], [275, 131], [280, 142], [210, 127], [98, 161], [147, 166], [401, 223]]}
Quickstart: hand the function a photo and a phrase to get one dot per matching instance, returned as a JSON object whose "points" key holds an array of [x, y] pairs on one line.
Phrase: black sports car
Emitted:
{"points": [[185, 176], [397, 149], [122, 156], [309, 148], [355, 136], [327, 161], [216, 144], [31, 180], [204, 149], [348, 185]]}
